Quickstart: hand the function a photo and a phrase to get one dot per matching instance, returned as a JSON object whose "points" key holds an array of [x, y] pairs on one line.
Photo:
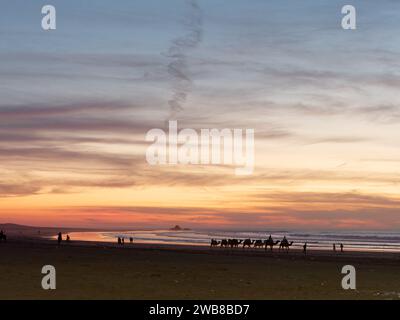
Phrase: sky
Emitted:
{"points": [[76, 103]]}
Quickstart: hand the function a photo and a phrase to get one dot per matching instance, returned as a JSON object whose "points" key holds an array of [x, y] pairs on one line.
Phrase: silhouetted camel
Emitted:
{"points": [[258, 244], [234, 243], [270, 243], [214, 243], [224, 243], [285, 245], [247, 243]]}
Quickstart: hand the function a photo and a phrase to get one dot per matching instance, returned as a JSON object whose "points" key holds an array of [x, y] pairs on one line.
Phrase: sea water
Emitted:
{"points": [[319, 240]]}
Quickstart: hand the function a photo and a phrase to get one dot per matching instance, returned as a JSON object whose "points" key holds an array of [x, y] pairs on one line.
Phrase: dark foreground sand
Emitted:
{"points": [[105, 271]]}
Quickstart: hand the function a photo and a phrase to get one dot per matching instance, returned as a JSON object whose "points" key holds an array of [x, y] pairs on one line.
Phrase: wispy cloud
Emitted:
{"points": [[178, 67]]}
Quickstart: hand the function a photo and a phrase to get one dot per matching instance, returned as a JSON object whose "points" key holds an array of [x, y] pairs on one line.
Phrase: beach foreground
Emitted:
{"points": [[105, 271]]}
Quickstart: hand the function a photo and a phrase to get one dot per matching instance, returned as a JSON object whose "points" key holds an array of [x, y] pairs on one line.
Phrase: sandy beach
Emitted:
{"points": [[95, 270]]}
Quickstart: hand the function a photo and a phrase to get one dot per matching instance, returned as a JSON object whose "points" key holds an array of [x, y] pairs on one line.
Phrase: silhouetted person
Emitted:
{"points": [[68, 238], [341, 247], [59, 238], [119, 240], [3, 236], [334, 247], [305, 248], [123, 240], [131, 240]]}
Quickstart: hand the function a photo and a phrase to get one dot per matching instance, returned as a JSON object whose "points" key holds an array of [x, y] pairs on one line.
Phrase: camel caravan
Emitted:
{"points": [[248, 243]]}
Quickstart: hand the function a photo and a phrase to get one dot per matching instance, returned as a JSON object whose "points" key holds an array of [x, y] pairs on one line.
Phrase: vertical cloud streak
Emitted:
{"points": [[178, 67]]}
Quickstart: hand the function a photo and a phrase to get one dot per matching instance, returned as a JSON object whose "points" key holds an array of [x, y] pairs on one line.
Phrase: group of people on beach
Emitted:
{"points": [[334, 247], [341, 247], [233, 243], [59, 238], [121, 240]]}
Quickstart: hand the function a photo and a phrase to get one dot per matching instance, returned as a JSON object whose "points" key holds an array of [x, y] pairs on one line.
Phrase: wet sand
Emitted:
{"points": [[95, 270]]}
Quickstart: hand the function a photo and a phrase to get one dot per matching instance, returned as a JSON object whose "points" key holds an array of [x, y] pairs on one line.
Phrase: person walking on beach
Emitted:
{"points": [[123, 240], [341, 247], [59, 238], [68, 238], [334, 247], [305, 248], [131, 240]]}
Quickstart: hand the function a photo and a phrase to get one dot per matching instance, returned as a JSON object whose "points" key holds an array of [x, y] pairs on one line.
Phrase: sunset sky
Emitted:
{"points": [[76, 103]]}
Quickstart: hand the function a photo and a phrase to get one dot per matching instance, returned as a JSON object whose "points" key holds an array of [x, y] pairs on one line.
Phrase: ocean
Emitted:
{"points": [[317, 240]]}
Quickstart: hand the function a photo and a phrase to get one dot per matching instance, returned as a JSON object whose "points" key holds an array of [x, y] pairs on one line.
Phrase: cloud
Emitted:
{"points": [[178, 67], [226, 218], [103, 117], [337, 199], [7, 113], [337, 139], [17, 189]]}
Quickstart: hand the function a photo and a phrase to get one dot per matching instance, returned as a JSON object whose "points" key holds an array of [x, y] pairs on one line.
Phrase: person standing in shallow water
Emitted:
{"points": [[341, 247], [305, 248], [59, 238], [334, 247]]}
